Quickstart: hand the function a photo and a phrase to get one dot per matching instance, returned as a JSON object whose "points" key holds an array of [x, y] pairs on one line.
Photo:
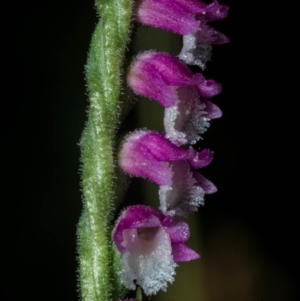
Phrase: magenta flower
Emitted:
{"points": [[151, 244], [197, 47], [189, 18], [169, 15], [150, 155], [178, 16], [172, 84]]}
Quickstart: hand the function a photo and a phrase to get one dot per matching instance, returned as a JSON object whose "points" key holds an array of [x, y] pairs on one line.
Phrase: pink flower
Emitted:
{"points": [[178, 16], [151, 244], [172, 84], [189, 18], [166, 14], [197, 47], [150, 155]]}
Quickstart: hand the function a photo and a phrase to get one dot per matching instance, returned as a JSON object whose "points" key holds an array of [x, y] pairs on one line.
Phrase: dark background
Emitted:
{"points": [[246, 233]]}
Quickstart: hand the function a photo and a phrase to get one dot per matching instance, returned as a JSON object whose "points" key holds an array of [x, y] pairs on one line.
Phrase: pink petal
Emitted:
{"points": [[146, 154], [157, 76], [213, 112], [216, 11], [144, 79], [166, 14], [179, 232], [209, 88], [208, 35], [173, 70], [182, 253], [202, 159], [206, 185], [192, 6]]}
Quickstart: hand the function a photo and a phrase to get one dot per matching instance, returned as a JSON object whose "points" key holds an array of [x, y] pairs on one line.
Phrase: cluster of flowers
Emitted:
{"points": [[153, 241]]}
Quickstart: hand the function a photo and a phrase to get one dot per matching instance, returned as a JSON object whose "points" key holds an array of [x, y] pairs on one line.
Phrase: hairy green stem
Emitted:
{"points": [[139, 296], [97, 257]]}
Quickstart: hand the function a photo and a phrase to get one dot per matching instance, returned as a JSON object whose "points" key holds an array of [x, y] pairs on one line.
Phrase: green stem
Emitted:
{"points": [[97, 269], [139, 296]]}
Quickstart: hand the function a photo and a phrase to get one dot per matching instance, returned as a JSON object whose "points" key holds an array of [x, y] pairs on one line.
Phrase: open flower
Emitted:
{"points": [[151, 244], [150, 155], [197, 47], [172, 84], [189, 18], [178, 16]]}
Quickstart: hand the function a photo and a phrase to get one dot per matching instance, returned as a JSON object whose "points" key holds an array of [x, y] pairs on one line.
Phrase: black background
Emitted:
{"points": [[44, 49]]}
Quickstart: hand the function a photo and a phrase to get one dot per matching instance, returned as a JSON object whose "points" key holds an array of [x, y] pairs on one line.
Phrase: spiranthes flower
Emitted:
{"points": [[172, 84], [189, 18], [152, 156], [151, 244], [197, 47]]}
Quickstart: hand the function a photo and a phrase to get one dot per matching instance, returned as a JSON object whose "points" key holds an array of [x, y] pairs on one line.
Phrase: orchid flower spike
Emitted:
{"points": [[172, 84], [150, 155], [189, 18], [151, 244]]}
